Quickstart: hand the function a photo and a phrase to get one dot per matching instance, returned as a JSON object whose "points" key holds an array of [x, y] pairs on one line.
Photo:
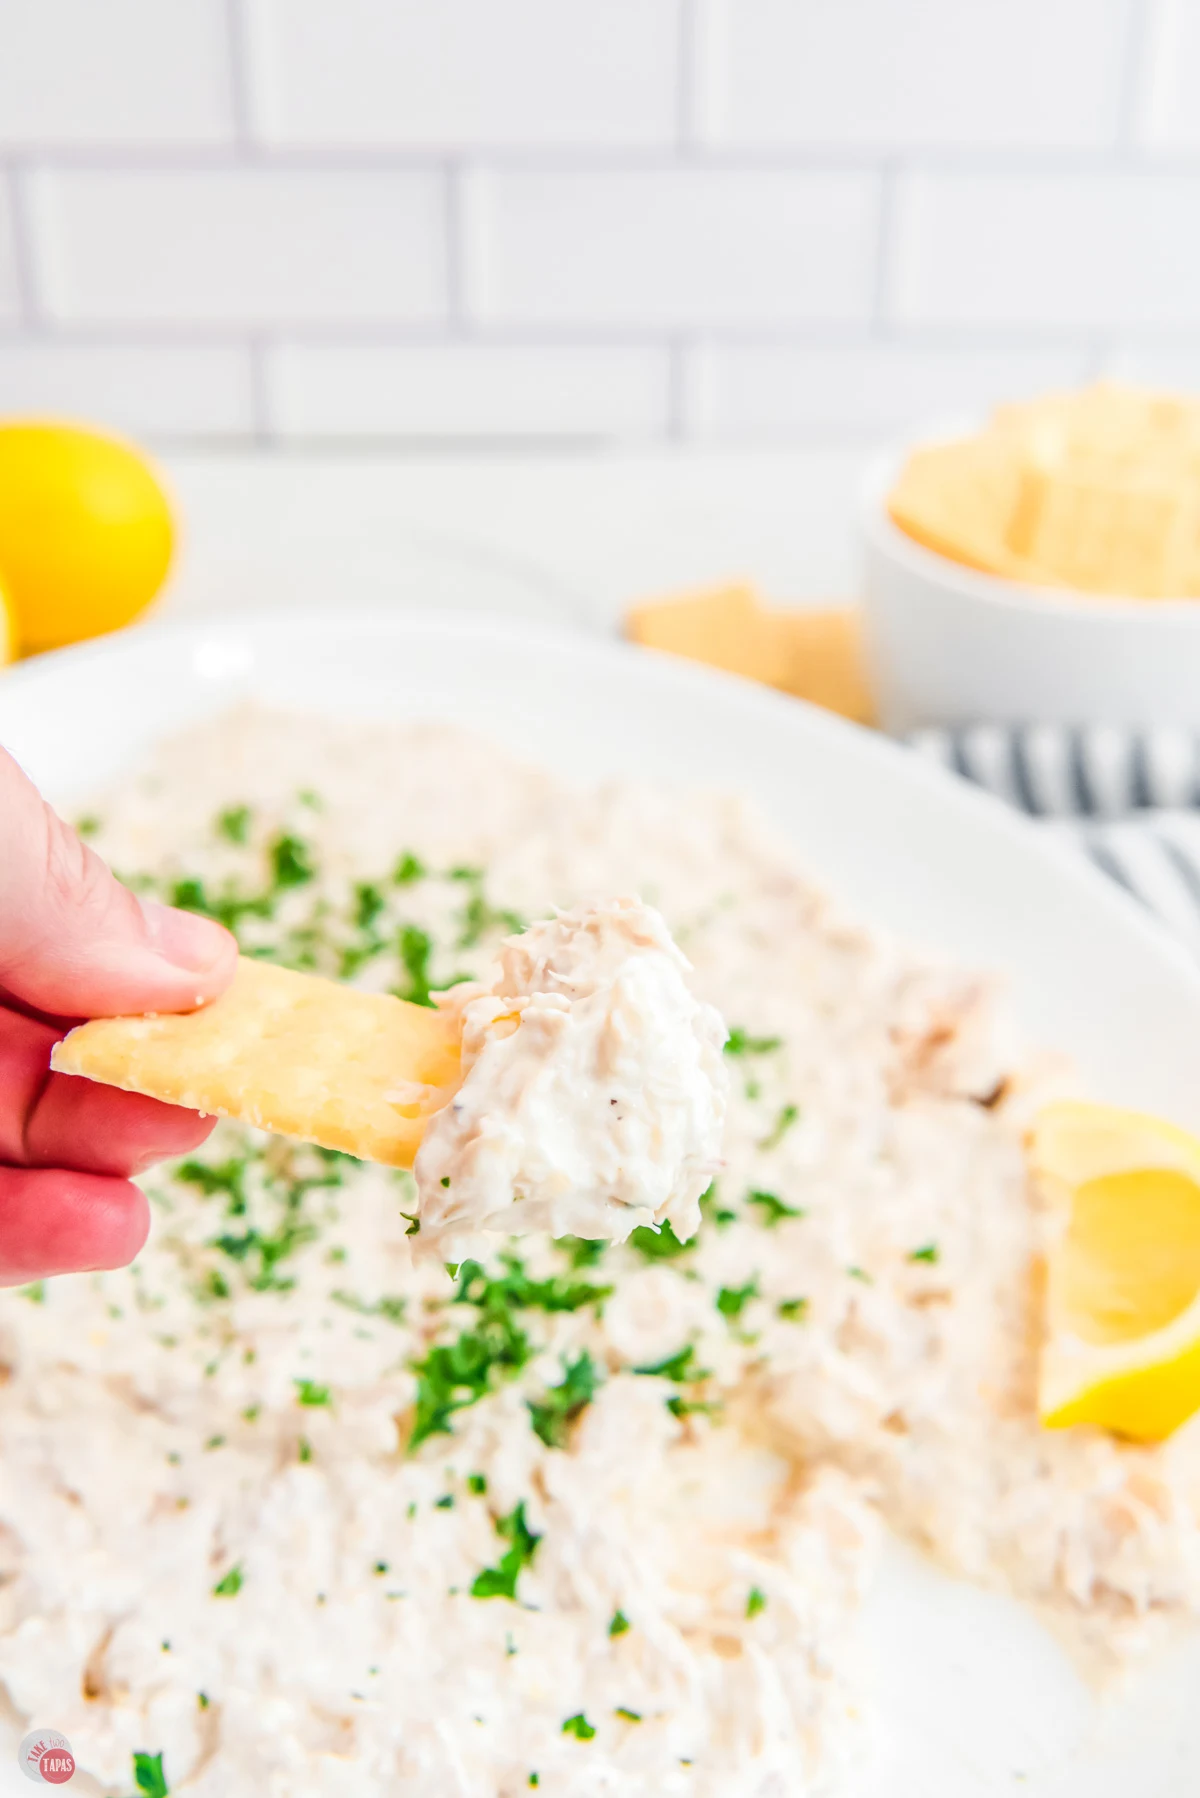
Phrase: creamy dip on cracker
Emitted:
{"points": [[593, 1093]]}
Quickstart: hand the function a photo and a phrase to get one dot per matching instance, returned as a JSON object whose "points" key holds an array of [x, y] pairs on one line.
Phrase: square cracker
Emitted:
{"points": [[288, 1052]]}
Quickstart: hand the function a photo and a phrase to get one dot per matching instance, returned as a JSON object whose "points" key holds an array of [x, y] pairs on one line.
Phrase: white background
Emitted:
{"points": [[589, 221]]}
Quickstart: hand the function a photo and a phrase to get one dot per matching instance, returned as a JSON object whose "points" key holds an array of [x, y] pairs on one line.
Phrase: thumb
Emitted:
{"points": [[75, 942]]}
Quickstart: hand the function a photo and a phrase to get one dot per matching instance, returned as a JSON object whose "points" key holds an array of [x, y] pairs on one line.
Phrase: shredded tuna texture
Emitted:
{"points": [[315, 1518], [593, 1097]]}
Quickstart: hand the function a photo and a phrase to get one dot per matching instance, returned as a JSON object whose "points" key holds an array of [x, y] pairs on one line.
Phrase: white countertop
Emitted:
{"points": [[573, 537]]}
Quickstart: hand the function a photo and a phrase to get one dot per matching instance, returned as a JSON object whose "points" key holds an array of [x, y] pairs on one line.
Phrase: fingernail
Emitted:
{"points": [[182, 938]]}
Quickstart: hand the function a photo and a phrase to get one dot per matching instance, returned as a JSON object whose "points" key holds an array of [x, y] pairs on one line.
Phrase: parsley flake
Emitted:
{"points": [[788, 1114], [148, 1775], [772, 1208], [231, 1584], [579, 1727], [756, 1602], [929, 1252], [501, 1581]]}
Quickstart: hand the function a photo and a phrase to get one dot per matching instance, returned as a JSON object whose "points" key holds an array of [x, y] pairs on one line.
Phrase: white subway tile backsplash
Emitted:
{"points": [[1075, 250], [1168, 110], [463, 73], [241, 246], [467, 390], [902, 73], [739, 220], [871, 391], [152, 390], [682, 246], [114, 72], [10, 293]]}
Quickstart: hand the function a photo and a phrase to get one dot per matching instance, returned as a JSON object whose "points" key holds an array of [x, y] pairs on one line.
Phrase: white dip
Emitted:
{"points": [[596, 1518], [594, 1089]]}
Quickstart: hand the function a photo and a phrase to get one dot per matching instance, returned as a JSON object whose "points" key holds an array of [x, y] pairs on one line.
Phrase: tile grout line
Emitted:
{"points": [[1134, 70], [33, 315], [261, 430], [239, 77], [885, 250], [454, 216]]}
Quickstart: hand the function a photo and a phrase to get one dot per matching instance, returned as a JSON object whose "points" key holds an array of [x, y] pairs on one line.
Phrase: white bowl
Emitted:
{"points": [[948, 645]]}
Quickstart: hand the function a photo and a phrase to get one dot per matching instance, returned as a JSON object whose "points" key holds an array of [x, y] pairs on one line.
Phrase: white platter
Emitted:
{"points": [[974, 1698]]}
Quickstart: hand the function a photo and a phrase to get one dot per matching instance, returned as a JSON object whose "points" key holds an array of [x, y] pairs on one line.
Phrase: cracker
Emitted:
{"points": [[726, 627], [287, 1052]]}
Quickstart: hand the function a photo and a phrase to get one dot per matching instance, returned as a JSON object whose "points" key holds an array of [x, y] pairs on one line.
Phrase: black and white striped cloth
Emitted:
{"points": [[1128, 799]]}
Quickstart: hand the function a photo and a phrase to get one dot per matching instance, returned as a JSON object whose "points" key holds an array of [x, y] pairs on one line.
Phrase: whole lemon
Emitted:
{"points": [[85, 532], [8, 631]]}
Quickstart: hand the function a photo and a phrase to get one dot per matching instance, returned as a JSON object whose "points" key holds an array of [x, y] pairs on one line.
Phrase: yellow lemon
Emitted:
{"points": [[8, 631], [1122, 1344], [85, 532]]}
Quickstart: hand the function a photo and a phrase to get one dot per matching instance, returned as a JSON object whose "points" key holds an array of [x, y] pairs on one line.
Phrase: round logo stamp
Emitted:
{"points": [[45, 1757]]}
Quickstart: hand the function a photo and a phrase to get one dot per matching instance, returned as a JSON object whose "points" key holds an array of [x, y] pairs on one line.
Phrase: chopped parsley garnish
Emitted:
{"points": [[291, 861], [304, 1449], [618, 1624], [711, 1209], [408, 869], [227, 1178], [928, 1253], [582, 1251], [792, 1310], [368, 903], [202, 1700], [740, 1042], [309, 1393], [628, 1715], [658, 1245], [414, 947], [148, 1775], [756, 1602], [501, 1581], [86, 827], [679, 1367], [229, 907], [553, 1414], [234, 825], [860, 1273], [579, 1727], [231, 1584], [514, 1290], [732, 1300], [456, 1374], [477, 1483], [445, 1502], [772, 1208], [35, 1292], [393, 1308], [261, 1252], [788, 1115], [479, 917]]}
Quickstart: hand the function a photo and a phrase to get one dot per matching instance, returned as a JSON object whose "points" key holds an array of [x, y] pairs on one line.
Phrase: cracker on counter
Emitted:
{"points": [[816, 655], [288, 1052]]}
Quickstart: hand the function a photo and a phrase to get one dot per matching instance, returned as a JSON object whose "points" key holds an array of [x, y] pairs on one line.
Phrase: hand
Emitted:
{"points": [[75, 943]]}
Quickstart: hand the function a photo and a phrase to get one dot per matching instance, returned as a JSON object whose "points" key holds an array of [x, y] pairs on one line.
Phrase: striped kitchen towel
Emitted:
{"points": [[1129, 799]]}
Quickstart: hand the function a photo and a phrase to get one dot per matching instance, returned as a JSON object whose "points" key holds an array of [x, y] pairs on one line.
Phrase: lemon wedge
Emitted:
{"points": [[1122, 1345]]}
